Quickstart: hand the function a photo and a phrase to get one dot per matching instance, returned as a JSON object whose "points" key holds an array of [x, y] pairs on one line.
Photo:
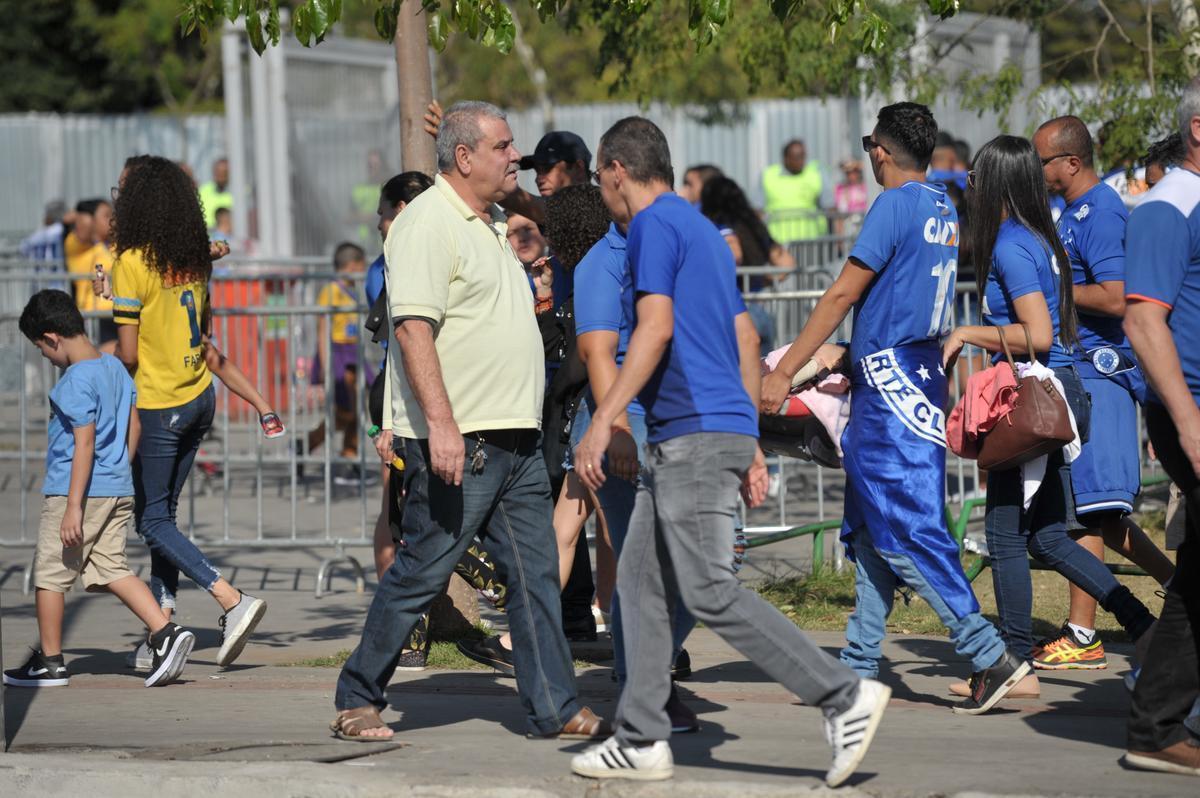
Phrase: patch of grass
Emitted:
{"points": [[824, 602], [336, 660], [443, 655]]}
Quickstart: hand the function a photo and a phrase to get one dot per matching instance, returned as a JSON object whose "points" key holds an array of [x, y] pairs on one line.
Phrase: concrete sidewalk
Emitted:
{"points": [[259, 728]]}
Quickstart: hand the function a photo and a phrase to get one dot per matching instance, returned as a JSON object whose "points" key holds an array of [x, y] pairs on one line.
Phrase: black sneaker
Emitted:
{"points": [[489, 652], [682, 667], [991, 685], [412, 661], [39, 671], [581, 629], [170, 647], [683, 719]]}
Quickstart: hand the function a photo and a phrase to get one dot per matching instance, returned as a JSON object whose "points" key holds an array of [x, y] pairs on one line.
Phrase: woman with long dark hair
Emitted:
{"points": [[723, 201], [160, 297], [1025, 278]]}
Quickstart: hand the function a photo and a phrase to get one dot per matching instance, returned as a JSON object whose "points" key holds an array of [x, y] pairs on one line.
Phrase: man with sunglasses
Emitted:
{"points": [[899, 279], [1107, 474]]}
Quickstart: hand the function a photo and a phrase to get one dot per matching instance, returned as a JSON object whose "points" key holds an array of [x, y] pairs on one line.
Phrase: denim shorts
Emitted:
{"points": [[579, 426]]}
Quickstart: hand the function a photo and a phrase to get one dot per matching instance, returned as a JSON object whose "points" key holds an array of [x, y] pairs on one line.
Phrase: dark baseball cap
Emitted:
{"points": [[555, 146]]}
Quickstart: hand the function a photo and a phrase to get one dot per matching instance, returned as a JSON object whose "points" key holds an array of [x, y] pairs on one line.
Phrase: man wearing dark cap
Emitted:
{"points": [[560, 159]]}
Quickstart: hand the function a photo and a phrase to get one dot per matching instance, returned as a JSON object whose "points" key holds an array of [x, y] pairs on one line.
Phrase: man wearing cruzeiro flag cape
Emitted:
{"points": [[900, 280]]}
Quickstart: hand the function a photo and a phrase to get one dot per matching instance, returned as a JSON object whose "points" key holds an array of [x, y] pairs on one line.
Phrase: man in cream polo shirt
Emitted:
{"points": [[466, 401]]}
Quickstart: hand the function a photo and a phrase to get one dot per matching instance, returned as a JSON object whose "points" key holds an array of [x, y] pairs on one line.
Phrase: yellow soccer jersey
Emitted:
{"points": [[171, 370], [344, 325]]}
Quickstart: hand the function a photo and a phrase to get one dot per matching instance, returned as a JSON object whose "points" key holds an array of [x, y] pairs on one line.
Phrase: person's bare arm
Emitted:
{"points": [[234, 378], [1146, 326], [71, 529], [598, 351], [1105, 299], [654, 330], [748, 349], [525, 204], [424, 372], [1031, 309], [135, 433], [829, 313], [756, 479], [735, 246], [781, 257], [127, 346]]}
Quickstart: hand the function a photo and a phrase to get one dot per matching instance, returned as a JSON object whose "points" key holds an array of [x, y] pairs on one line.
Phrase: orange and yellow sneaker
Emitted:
{"points": [[1068, 652]]}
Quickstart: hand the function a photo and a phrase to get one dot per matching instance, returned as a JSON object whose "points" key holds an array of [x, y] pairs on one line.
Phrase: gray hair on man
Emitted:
{"points": [[460, 125], [1189, 108]]}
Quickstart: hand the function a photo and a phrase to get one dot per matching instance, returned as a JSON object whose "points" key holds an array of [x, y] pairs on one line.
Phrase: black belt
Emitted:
{"points": [[508, 439]]}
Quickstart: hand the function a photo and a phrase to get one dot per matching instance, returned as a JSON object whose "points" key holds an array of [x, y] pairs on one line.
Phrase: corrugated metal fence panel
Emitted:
{"points": [[742, 148], [49, 157], [74, 157]]}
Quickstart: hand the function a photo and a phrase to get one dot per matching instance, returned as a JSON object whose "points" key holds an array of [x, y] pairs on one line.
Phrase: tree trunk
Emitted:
{"points": [[1188, 21], [456, 610], [417, 152]]}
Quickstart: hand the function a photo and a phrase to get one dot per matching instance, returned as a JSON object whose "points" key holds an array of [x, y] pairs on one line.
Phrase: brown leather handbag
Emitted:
{"points": [[1038, 424]]}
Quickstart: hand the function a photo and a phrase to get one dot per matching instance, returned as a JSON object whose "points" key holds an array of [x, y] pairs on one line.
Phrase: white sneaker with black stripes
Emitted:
{"points": [[850, 733], [611, 760]]}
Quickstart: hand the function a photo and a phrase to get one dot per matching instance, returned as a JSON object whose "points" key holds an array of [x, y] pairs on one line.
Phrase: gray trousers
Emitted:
{"points": [[680, 534]]}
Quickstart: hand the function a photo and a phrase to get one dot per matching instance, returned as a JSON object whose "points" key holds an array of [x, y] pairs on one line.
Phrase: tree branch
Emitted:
{"points": [[1100, 46], [1112, 22], [1150, 48]]}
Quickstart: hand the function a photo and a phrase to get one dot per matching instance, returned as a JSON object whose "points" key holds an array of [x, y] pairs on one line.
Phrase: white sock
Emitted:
{"points": [[1085, 636]]}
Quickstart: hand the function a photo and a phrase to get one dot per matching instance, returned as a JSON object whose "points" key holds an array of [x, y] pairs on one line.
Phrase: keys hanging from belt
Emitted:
{"points": [[479, 456]]}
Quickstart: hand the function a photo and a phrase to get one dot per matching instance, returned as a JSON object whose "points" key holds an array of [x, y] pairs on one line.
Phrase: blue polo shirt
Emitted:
{"points": [[909, 239], [1092, 230], [374, 285], [604, 296], [1021, 265], [1162, 250], [697, 387], [98, 392]]}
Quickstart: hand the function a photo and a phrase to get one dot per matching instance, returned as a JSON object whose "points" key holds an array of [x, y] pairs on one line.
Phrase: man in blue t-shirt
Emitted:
{"points": [[603, 323], [1162, 285], [899, 280], [693, 363], [1106, 476]]}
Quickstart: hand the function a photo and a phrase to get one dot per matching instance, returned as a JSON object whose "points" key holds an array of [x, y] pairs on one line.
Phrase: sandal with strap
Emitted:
{"points": [[585, 725], [350, 724]]}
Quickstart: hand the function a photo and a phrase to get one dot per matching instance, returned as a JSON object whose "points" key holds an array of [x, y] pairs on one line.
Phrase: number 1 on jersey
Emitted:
{"points": [[188, 300], [943, 304]]}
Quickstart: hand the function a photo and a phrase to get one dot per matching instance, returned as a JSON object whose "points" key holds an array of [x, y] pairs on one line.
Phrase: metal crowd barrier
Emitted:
{"points": [[244, 491], [788, 307], [266, 321]]}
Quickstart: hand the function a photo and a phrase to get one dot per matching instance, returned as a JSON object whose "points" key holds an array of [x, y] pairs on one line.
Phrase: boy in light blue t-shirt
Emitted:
{"points": [[88, 493]]}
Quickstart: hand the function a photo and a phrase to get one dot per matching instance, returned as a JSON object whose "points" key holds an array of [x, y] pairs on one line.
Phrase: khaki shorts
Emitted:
{"points": [[101, 558]]}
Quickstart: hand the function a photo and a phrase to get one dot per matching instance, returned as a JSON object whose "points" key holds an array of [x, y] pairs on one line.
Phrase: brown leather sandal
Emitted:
{"points": [[586, 725], [350, 724]]}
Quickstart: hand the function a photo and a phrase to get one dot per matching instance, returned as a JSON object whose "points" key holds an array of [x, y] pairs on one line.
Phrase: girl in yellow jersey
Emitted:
{"points": [[160, 292]]}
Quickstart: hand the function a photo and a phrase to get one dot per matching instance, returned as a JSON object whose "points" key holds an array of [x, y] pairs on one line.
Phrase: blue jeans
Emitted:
{"points": [[508, 506], [617, 498], [877, 575], [1014, 533], [166, 450]]}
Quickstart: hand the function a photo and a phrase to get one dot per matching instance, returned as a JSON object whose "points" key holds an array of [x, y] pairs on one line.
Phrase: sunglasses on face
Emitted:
{"points": [[1052, 158], [869, 144]]}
